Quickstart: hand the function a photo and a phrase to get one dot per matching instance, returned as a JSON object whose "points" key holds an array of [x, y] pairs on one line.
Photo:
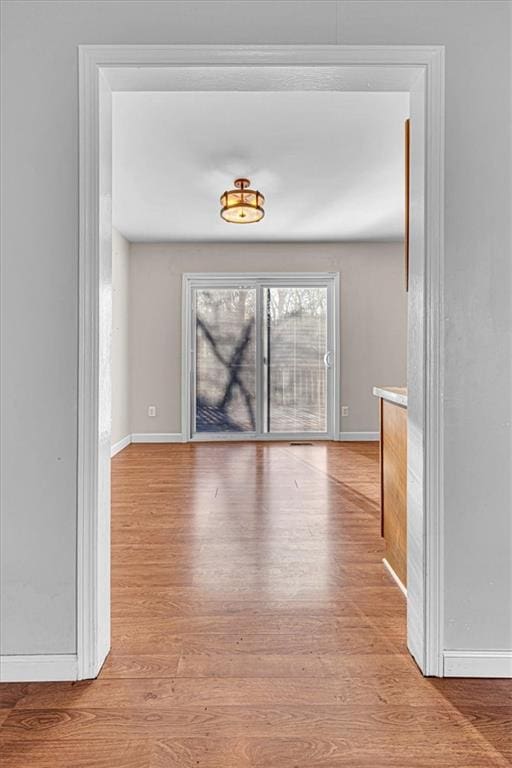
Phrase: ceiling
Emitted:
{"points": [[330, 164]]}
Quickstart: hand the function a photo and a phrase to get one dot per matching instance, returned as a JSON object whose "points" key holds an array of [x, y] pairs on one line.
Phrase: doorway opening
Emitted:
{"points": [[260, 356], [416, 70]]}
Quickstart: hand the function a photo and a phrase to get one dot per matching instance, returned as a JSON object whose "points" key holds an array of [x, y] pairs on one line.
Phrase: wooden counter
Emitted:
{"points": [[393, 474]]}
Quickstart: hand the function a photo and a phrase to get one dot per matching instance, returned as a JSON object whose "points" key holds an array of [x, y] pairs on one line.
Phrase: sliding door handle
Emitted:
{"points": [[328, 359]]}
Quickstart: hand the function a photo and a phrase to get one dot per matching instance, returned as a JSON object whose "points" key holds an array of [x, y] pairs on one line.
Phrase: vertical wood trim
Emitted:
{"points": [[381, 465], [186, 357], [88, 364], [94, 387], [433, 437], [407, 130], [336, 369]]}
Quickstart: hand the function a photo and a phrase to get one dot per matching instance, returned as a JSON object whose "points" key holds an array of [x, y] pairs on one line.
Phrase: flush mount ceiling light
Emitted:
{"points": [[242, 205]]}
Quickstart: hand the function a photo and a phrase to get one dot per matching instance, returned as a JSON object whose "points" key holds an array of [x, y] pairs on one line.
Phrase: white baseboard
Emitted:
{"points": [[158, 437], [356, 436], [116, 447], [477, 663], [147, 437], [394, 576], [178, 437], [38, 668]]}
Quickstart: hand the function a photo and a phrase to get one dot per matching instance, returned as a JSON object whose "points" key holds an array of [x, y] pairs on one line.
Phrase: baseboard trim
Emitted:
{"points": [[477, 664], [117, 447], [394, 576], [178, 437], [158, 437], [38, 668], [359, 436]]}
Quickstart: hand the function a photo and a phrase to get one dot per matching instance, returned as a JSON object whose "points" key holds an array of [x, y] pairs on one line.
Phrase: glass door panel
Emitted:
{"points": [[296, 359], [225, 360]]}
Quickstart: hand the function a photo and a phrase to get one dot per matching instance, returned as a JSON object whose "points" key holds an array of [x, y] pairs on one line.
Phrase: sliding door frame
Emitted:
{"points": [[192, 280]]}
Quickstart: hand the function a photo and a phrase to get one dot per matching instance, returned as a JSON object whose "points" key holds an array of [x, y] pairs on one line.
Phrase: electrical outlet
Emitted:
{"points": [[151, 410], [344, 410]]}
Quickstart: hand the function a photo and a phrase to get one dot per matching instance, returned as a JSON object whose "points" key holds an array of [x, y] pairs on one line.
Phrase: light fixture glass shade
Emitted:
{"points": [[242, 205]]}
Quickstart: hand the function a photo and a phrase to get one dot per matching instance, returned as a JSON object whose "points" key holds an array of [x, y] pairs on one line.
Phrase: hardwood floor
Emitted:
{"points": [[253, 625]]}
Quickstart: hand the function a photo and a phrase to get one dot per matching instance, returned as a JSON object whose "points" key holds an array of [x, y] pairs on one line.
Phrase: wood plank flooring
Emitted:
{"points": [[254, 626]]}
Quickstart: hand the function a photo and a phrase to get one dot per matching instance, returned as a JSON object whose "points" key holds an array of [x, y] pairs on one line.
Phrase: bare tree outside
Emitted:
{"points": [[296, 346], [225, 360], [294, 342]]}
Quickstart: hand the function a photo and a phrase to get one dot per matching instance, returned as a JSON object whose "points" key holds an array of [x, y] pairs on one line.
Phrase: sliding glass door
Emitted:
{"points": [[261, 355], [296, 359], [225, 360]]}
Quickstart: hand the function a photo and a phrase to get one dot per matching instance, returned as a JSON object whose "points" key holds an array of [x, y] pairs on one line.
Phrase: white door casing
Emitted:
{"points": [[416, 69]]}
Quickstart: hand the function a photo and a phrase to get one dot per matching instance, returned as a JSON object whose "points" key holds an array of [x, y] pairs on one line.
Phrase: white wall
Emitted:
{"points": [[40, 266], [373, 318], [120, 337]]}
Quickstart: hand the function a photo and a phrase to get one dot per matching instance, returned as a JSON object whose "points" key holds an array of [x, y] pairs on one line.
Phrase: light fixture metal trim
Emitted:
{"points": [[242, 205]]}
